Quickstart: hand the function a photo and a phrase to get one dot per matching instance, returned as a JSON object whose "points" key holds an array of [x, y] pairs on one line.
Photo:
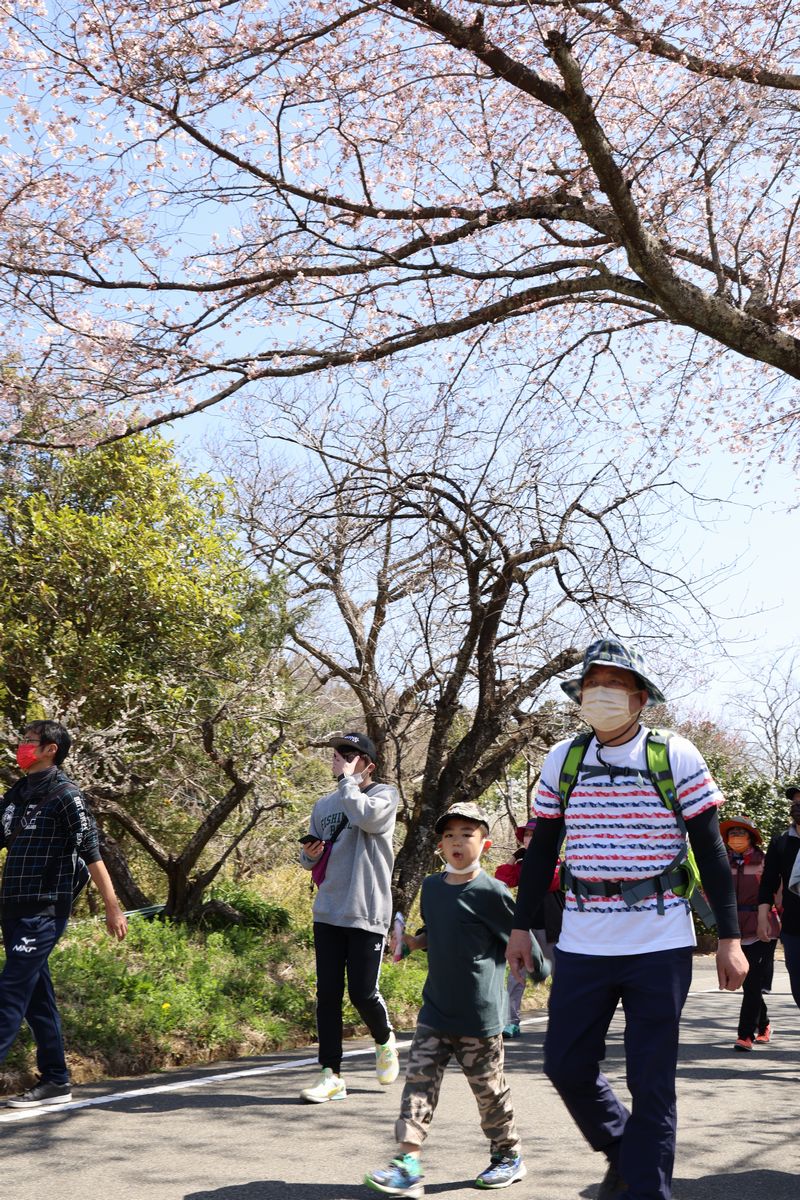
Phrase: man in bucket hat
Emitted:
{"points": [[627, 932]]}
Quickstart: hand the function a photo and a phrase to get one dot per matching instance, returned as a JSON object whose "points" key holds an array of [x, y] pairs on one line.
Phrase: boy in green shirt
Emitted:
{"points": [[467, 919]]}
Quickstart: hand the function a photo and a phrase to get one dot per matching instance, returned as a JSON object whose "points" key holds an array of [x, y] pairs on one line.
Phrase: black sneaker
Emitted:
{"points": [[40, 1094], [613, 1185]]}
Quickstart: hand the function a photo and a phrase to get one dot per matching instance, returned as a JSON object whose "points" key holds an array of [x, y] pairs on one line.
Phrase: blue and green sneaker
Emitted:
{"points": [[402, 1177]]}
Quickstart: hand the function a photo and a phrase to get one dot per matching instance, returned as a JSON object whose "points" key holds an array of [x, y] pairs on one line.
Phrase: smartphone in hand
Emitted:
{"points": [[306, 839]]}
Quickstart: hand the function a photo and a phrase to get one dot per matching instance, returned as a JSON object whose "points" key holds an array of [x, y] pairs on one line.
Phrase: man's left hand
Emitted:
{"points": [[116, 922], [732, 966], [519, 955]]}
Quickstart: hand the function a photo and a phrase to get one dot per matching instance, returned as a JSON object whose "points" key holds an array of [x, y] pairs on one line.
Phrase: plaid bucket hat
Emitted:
{"points": [[611, 652]]}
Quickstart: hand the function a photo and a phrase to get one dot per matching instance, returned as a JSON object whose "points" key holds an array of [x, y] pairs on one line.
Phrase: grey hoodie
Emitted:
{"points": [[357, 889]]}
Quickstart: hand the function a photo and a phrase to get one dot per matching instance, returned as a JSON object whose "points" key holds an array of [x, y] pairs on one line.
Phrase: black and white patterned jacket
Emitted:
{"points": [[42, 862]]}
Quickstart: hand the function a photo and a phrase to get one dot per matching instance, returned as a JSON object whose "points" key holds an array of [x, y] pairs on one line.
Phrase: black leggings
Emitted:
{"points": [[753, 1017], [360, 953]]}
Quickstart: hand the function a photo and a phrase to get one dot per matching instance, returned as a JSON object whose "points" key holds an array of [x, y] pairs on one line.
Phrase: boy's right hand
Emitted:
{"points": [[519, 955]]}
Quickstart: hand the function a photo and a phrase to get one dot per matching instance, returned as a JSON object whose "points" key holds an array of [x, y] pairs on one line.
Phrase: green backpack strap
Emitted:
{"points": [[658, 766], [682, 875], [572, 765], [660, 772]]}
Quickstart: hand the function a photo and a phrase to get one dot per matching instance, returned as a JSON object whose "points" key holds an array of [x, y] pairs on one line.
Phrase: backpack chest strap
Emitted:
{"points": [[632, 892]]}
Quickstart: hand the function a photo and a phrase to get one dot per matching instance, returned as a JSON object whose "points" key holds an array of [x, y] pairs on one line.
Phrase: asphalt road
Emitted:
{"points": [[239, 1132]]}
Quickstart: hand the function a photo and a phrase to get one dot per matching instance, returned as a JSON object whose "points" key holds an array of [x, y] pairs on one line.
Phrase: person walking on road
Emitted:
{"points": [[52, 848], [467, 919], [781, 855], [627, 932], [350, 834], [546, 922], [746, 857]]}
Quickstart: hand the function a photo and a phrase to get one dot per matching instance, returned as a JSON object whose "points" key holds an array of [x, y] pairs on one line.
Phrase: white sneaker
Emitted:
{"points": [[387, 1063], [327, 1087]]}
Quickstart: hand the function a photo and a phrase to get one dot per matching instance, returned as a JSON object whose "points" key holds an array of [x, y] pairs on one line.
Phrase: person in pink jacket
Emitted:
{"points": [[746, 857], [547, 921]]}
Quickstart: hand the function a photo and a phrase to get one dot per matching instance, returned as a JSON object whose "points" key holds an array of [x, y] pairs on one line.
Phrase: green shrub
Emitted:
{"points": [[170, 995], [257, 912]]}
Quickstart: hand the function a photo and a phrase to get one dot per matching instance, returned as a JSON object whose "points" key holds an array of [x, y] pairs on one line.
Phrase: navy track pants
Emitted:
{"points": [[26, 991], [583, 999]]}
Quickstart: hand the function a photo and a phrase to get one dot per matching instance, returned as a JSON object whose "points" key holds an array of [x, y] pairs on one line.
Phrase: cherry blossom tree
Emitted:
{"points": [[446, 572], [212, 200]]}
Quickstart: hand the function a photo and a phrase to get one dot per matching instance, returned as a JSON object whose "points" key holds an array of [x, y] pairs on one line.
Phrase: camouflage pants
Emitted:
{"points": [[481, 1060]]}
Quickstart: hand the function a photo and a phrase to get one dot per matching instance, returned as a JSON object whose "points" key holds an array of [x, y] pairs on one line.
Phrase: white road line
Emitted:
{"points": [[712, 990], [24, 1114]]}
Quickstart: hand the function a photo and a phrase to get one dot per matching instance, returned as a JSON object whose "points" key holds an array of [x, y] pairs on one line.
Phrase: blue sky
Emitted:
{"points": [[757, 535]]}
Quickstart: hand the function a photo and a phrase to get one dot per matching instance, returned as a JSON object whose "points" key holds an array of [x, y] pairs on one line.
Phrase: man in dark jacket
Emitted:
{"points": [[51, 847], [781, 853]]}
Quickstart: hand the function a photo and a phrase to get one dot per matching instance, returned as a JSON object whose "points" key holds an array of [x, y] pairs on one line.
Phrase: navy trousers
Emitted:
{"points": [[26, 991], [585, 992]]}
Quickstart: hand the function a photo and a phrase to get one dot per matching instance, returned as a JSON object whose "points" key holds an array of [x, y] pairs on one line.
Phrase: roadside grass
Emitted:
{"points": [[170, 996]]}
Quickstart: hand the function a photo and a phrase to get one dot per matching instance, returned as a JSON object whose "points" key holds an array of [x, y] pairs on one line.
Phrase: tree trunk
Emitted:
{"points": [[185, 893], [218, 912], [129, 893], [416, 857]]}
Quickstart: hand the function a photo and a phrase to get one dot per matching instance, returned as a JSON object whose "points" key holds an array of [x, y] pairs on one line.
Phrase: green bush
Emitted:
{"points": [[257, 912], [170, 995]]}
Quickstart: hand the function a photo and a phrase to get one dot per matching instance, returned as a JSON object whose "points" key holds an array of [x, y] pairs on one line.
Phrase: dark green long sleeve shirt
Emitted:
{"points": [[467, 927]]}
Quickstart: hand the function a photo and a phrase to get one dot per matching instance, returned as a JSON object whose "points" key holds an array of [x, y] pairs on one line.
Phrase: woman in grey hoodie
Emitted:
{"points": [[352, 908]]}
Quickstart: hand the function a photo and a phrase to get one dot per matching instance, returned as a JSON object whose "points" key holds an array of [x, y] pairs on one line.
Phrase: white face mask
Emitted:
{"points": [[606, 707], [476, 866]]}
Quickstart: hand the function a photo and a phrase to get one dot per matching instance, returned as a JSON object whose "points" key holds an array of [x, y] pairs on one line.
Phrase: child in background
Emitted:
{"points": [[467, 919], [546, 921]]}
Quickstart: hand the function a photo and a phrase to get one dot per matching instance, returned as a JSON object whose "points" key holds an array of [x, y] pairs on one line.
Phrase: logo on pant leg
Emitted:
{"points": [[24, 946]]}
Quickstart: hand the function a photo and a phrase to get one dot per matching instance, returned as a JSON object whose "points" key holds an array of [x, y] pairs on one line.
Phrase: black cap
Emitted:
{"points": [[353, 741]]}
